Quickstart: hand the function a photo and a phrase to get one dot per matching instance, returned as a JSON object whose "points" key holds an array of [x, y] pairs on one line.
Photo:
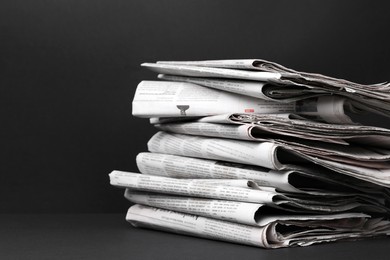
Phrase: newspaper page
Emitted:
{"points": [[272, 235], [331, 109], [234, 211], [374, 97], [305, 237], [258, 89], [267, 128], [261, 154], [240, 132], [176, 99], [288, 181], [181, 223], [195, 188], [265, 154], [249, 132], [295, 126], [220, 119], [289, 76], [197, 71], [218, 190], [377, 176], [167, 99], [353, 154], [182, 99]]}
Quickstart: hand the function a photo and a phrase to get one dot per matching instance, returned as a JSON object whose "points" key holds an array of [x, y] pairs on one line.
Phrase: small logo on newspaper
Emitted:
{"points": [[249, 110], [183, 109]]}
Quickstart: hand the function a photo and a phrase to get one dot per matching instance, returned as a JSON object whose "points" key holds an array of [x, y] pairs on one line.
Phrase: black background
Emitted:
{"points": [[69, 70]]}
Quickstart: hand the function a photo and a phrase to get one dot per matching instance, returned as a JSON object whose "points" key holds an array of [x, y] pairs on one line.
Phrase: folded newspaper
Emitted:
{"points": [[252, 152], [277, 234], [256, 126], [238, 213], [369, 165], [373, 97], [249, 192], [180, 99]]}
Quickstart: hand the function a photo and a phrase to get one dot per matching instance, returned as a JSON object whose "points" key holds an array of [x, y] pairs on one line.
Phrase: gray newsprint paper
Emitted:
{"points": [[168, 99], [271, 155], [253, 214], [373, 97], [272, 235], [167, 165], [181, 99], [246, 191]]}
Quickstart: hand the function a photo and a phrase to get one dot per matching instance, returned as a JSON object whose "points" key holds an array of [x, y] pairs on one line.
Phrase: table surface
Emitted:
{"points": [[109, 236]]}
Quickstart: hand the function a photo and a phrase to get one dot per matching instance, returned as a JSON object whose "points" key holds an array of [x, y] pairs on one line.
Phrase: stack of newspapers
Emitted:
{"points": [[251, 152]]}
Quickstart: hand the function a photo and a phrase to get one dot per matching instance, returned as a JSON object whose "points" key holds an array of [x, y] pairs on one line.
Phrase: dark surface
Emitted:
{"points": [[108, 236], [69, 69]]}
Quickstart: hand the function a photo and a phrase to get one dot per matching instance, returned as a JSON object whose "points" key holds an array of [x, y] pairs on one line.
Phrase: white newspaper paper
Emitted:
{"points": [[370, 155], [374, 97], [181, 223], [253, 214], [269, 236], [296, 181], [166, 99], [295, 126], [282, 74], [238, 190], [196, 188], [235, 211], [258, 89], [182, 99], [268, 155], [261, 154]]}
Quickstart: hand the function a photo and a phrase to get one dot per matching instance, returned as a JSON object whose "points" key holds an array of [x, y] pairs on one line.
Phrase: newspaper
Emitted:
{"points": [[281, 126], [258, 89], [165, 99], [249, 132], [246, 191], [181, 99], [253, 214], [296, 126], [272, 235], [282, 75], [275, 156], [256, 153], [260, 154], [370, 155], [195, 187], [375, 157], [373, 97], [314, 181]]}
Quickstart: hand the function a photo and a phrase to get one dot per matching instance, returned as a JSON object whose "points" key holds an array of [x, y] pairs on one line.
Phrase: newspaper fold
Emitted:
{"points": [[274, 235], [370, 155], [296, 126], [182, 99], [373, 97], [166, 99], [314, 181], [257, 89], [275, 156], [246, 191], [253, 214]]}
